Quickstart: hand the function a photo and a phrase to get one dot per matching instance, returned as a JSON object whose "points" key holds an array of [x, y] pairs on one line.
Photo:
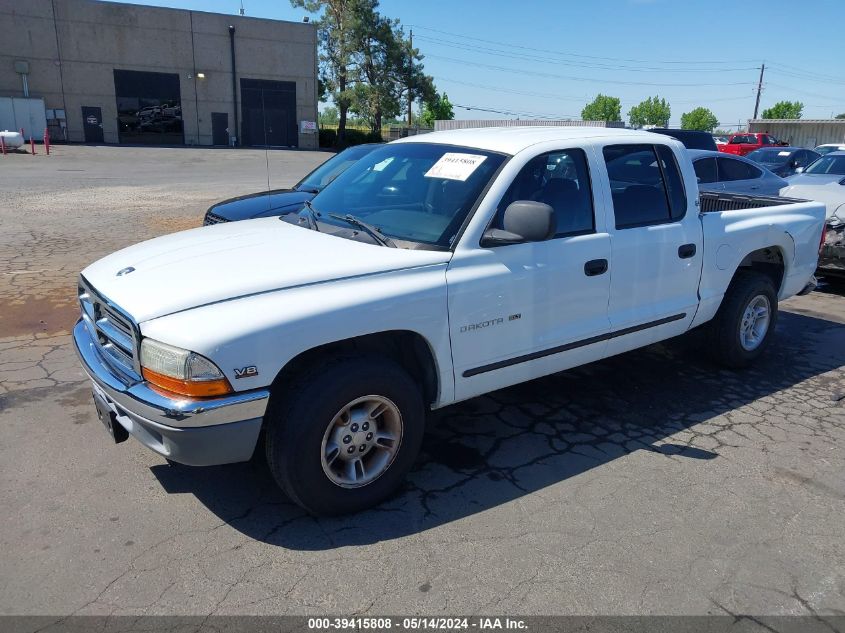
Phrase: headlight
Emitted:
{"points": [[181, 371]]}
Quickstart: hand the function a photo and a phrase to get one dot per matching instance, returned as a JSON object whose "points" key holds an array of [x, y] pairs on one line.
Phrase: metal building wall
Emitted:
{"points": [[803, 132], [72, 48]]}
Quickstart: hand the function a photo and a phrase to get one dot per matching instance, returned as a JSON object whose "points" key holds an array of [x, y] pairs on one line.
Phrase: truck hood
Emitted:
{"points": [[819, 187], [230, 260]]}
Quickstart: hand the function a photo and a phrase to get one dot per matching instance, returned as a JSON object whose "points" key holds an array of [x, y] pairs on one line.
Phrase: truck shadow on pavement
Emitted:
{"points": [[665, 400]]}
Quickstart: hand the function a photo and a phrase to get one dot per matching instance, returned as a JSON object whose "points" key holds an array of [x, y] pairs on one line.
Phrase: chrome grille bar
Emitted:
{"points": [[116, 334]]}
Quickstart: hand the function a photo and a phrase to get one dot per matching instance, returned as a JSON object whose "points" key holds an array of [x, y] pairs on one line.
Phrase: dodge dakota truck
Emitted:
{"points": [[435, 269]]}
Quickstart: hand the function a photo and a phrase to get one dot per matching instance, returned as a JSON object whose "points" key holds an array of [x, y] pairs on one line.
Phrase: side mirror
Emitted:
{"points": [[799, 170], [524, 221]]}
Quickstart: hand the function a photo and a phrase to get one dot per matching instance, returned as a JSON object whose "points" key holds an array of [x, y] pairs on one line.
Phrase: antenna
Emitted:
{"points": [[242, 12]]}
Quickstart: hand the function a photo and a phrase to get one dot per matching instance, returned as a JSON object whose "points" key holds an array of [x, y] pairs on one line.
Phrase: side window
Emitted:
{"points": [[806, 158], [705, 169], [560, 179], [674, 182], [637, 186], [730, 169], [766, 140]]}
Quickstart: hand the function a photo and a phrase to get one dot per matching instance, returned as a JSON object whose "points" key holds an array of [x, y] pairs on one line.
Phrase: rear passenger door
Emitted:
{"points": [[739, 176], [656, 240]]}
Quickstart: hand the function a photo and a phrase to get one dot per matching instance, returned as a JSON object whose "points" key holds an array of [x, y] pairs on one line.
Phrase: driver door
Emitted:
{"points": [[520, 311]]}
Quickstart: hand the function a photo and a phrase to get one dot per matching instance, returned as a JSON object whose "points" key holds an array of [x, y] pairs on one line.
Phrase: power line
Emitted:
{"points": [[557, 97], [577, 64], [806, 74], [532, 115], [534, 73], [812, 94], [580, 55]]}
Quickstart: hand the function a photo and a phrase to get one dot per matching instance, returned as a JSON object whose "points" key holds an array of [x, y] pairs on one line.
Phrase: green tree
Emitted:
{"points": [[329, 116], [699, 119], [438, 108], [603, 108], [388, 69], [336, 27], [840, 116], [367, 66], [784, 110], [652, 111]]}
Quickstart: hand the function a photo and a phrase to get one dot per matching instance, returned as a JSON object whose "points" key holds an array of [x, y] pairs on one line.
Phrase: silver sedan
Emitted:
{"points": [[717, 171]]}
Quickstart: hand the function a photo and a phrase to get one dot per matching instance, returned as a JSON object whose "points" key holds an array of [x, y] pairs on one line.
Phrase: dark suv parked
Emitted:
{"points": [[692, 139]]}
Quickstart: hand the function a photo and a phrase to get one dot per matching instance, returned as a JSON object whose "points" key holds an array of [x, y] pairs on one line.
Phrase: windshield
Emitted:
{"points": [[745, 138], [828, 165], [418, 192], [827, 149], [333, 167], [770, 156]]}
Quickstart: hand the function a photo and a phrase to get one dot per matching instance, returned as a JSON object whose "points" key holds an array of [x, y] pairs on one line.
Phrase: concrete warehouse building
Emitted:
{"points": [[119, 73]]}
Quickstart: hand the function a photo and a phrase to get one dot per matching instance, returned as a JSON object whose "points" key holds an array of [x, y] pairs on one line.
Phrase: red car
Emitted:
{"points": [[745, 143]]}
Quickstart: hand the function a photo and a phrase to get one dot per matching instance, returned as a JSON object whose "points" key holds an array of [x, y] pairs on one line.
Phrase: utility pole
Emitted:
{"points": [[759, 88], [410, 74]]}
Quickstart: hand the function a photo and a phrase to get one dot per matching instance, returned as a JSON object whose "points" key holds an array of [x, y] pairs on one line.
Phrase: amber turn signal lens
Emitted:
{"points": [[192, 388]]}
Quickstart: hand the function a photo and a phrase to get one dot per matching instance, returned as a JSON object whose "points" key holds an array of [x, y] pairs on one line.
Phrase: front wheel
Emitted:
{"points": [[744, 323], [343, 436]]}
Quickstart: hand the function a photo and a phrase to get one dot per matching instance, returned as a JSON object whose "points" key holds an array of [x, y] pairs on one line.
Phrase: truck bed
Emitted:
{"points": [[782, 231], [715, 201]]}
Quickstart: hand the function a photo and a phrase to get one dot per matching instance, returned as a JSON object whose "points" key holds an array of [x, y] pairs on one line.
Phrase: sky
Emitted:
{"points": [[546, 59]]}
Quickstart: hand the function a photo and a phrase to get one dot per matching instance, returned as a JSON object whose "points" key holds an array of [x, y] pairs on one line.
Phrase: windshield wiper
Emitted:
{"points": [[372, 231], [312, 215]]}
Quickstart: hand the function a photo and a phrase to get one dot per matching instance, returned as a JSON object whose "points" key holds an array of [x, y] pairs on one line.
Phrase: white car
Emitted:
{"points": [[823, 181], [435, 269], [827, 148]]}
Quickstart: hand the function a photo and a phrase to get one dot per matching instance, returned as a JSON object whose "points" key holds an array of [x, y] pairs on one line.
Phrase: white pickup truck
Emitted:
{"points": [[437, 268]]}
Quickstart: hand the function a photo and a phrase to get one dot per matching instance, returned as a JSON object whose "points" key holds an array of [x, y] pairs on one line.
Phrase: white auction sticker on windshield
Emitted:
{"points": [[783, 153], [455, 166]]}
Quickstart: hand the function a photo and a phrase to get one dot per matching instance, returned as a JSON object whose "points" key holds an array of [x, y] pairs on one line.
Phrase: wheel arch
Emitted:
{"points": [[769, 261], [408, 348]]}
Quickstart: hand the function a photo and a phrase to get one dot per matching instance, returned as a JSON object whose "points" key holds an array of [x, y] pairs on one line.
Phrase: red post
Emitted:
{"points": [[32, 145], [3, 145], [47, 141]]}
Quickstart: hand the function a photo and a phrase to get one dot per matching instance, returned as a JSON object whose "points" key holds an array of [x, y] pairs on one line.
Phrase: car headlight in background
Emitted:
{"points": [[181, 371]]}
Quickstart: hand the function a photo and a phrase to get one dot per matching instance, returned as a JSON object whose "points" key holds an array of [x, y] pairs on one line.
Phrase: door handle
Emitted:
{"points": [[686, 251], [595, 267]]}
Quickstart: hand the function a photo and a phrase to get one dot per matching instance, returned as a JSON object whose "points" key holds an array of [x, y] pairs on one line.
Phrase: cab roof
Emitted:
{"points": [[512, 140]]}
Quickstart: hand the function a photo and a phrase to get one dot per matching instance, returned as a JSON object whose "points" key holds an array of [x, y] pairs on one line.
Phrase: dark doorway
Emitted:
{"points": [[220, 128], [268, 109], [92, 124], [149, 108]]}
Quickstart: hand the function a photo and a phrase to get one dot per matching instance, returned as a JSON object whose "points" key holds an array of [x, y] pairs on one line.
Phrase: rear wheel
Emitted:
{"points": [[344, 435], [744, 323]]}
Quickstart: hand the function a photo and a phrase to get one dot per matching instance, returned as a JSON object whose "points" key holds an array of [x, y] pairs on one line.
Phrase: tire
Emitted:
{"points": [[729, 341], [307, 420]]}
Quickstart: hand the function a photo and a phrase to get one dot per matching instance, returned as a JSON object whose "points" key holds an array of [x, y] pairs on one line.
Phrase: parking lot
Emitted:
{"points": [[650, 483]]}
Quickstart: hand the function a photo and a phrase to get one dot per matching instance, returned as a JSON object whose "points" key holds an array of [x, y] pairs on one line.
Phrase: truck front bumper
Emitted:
{"points": [[194, 432]]}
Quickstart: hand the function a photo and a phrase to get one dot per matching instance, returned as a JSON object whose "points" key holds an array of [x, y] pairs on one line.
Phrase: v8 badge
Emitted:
{"points": [[246, 372]]}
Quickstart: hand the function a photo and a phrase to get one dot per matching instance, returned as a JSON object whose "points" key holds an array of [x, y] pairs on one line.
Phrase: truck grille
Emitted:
{"points": [[213, 218], [113, 330]]}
